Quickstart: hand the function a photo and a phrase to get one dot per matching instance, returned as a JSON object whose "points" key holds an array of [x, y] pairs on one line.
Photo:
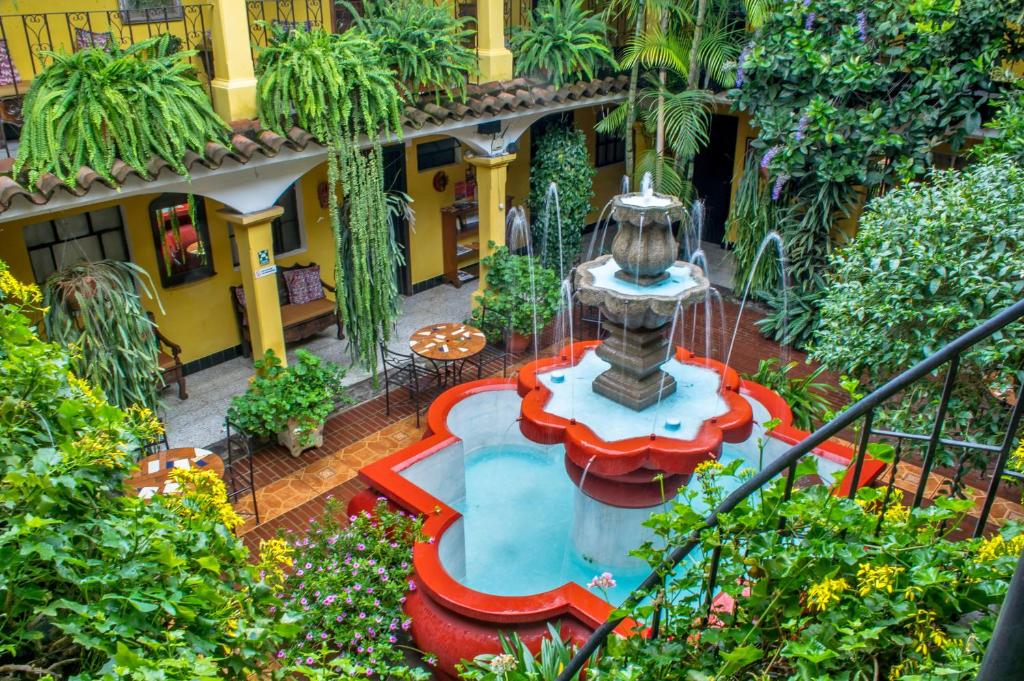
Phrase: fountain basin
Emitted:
{"points": [[635, 306], [454, 616], [626, 449]]}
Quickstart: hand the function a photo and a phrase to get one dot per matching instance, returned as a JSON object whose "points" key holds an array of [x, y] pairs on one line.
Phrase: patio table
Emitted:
{"points": [[448, 343], [154, 475]]}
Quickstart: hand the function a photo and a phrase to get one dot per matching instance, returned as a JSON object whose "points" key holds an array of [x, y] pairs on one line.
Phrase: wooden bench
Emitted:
{"points": [[299, 321]]}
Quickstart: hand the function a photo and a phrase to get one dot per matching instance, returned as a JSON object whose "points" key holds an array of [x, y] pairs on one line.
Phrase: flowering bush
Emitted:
{"points": [[98, 584], [346, 588], [845, 590]]}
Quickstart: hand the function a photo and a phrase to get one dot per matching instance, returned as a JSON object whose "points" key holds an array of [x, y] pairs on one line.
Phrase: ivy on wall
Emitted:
{"points": [[562, 158]]}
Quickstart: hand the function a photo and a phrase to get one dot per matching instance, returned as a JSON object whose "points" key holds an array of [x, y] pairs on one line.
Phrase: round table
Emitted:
{"points": [[448, 343], [154, 475]]}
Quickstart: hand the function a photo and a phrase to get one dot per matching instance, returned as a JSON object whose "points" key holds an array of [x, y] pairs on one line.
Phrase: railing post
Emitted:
{"points": [[933, 441], [1004, 657], [234, 88], [1004, 454]]}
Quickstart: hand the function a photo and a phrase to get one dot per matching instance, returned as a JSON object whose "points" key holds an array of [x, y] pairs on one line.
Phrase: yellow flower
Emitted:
{"points": [[926, 630], [275, 558], [84, 390], [709, 467], [877, 578], [997, 547], [823, 594], [144, 423], [12, 288], [202, 496], [896, 672]]}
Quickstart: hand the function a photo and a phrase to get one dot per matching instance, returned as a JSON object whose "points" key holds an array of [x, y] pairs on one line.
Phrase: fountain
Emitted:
{"points": [[531, 485]]}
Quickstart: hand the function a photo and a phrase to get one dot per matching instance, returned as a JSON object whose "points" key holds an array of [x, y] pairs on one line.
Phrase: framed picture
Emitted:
{"points": [[182, 239]]}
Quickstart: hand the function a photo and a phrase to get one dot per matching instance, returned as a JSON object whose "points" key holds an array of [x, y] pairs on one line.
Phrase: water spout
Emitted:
{"points": [[772, 237]]}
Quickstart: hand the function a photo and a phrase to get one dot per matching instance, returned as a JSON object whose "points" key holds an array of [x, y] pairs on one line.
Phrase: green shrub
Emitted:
{"points": [[930, 262], [562, 39], [846, 591], [307, 391], [97, 583], [562, 158], [508, 301], [517, 663]]}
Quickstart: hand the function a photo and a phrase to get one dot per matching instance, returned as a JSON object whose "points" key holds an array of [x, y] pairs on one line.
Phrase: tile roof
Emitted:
{"points": [[249, 139]]}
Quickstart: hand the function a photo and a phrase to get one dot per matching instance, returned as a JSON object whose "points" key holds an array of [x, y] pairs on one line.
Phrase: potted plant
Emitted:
{"points": [[563, 41], [292, 402], [516, 284]]}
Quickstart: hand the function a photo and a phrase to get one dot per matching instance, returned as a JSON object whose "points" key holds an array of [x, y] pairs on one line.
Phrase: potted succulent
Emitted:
{"points": [[506, 308], [292, 402]]}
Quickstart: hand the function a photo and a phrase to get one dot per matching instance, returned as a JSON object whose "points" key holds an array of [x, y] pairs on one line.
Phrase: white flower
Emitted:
{"points": [[502, 664], [602, 581]]}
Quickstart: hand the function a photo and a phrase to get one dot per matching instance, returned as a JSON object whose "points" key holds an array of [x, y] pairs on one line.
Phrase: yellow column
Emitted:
{"points": [[495, 58], [255, 242], [234, 88], [491, 181]]}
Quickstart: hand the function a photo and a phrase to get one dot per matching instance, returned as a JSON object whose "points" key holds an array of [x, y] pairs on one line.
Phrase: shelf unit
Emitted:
{"points": [[460, 241]]}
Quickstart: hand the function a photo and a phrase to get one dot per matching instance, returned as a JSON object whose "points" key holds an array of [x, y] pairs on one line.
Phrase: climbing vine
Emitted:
{"points": [[339, 87]]}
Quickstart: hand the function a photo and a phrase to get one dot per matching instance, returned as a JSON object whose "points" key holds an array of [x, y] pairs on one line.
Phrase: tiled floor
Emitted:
{"points": [[199, 420]]}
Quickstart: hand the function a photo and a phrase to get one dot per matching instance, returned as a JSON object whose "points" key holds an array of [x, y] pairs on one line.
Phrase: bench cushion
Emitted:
{"points": [[297, 314], [303, 285]]}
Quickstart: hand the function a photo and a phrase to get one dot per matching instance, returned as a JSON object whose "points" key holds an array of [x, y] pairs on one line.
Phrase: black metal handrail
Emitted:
{"points": [[863, 408]]}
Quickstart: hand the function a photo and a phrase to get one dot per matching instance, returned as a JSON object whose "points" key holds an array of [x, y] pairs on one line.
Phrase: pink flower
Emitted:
{"points": [[602, 581]]}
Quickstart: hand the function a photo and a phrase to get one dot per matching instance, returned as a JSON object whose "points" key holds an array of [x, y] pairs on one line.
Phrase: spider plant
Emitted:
{"points": [[517, 663], [563, 39], [93, 308], [98, 105], [426, 44], [804, 395]]}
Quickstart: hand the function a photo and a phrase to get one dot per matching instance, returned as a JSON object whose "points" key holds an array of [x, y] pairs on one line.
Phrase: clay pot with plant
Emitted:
{"points": [[290, 402], [515, 285]]}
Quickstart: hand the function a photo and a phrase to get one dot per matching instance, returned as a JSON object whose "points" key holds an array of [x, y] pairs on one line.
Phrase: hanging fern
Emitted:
{"points": [[563, 39], [98, 104], [94, 309], [340, 87], [424, 42]]}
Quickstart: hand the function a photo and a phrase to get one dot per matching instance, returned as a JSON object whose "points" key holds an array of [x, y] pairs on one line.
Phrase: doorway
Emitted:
{"points": [[712, 175], [393, 157]]}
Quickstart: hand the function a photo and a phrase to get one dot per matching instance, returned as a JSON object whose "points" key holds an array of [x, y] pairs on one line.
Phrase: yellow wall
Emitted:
{"points": [[198, 315], [425, 237], [608, 180]]}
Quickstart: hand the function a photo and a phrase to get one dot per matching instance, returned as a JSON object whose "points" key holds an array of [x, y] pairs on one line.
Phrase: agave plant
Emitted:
{"points": [[426, 44], [94, 309], [563, 39], [97, 105], [340, 87]]}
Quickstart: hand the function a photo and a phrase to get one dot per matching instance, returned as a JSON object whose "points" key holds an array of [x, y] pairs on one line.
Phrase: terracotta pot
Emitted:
{"points": [[288, 438], [516, 342]]}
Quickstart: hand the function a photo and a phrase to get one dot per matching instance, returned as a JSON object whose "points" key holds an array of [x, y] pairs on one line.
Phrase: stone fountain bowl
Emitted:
{"points": [[647, 210], [640, 307]]}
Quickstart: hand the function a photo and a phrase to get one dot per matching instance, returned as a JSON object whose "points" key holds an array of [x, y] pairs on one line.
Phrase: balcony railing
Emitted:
{"points": [[25, 40]]}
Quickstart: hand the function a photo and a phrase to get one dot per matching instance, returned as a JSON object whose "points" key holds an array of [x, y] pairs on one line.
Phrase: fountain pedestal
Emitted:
{"points": [[635, 378]]}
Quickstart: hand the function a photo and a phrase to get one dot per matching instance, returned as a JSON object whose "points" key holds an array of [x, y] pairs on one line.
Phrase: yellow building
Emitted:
{"points": [[263, 202]]}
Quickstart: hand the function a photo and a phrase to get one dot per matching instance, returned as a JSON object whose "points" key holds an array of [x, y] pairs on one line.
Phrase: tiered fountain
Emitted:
{"points": [[635, 432], [513, 539]]}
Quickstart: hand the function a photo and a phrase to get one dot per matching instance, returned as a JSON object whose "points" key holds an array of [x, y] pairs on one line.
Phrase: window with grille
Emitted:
{"points": [[92, 236], [286, 229], [608, 149], [443, 152]]}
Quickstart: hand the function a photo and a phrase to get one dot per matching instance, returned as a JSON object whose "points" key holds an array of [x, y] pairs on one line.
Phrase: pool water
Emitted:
{"points": [[518, 533]]}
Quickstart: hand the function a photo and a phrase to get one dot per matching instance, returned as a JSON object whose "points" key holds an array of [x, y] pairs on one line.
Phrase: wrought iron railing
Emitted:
{"points": [[27, 38], [862, 414]]}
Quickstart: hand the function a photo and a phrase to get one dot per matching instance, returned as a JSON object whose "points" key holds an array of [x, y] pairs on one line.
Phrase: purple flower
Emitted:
{"points": [[360, 547], [807, 3], [802, 127], [862, 26], [309, 660], [780, 182], [766, 160], [280, 654], [739, 64], [809, 21]]}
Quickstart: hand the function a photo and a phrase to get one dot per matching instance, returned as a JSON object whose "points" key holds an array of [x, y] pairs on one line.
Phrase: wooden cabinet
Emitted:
{"points": [[460, 241]]}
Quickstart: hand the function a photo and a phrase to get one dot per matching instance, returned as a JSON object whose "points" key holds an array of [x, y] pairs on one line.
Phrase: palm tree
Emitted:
{"points": [[683, 50]]}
